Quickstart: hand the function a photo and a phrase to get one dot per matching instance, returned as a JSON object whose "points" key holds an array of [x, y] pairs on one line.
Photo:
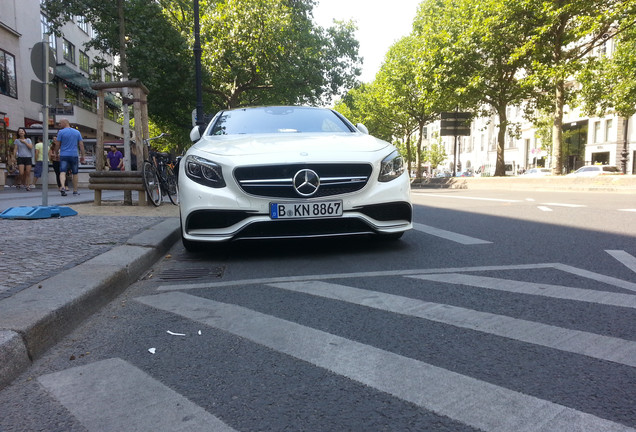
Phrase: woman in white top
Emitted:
{"points": [[23, 153]]}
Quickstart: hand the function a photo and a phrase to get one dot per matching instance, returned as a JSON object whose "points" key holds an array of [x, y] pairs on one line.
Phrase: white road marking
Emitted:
{"points": [[406, 272], [530, 199], [624, 258], [627, 210], [631, 286], [449, 235], [564, 205], [465, 197], [112, 395], [579, 342], [328, 276], [544, 208], [479, 404], [544, 290]]}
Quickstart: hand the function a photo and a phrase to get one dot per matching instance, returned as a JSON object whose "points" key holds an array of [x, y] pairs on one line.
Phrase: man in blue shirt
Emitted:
{"points": [[67, 142]]}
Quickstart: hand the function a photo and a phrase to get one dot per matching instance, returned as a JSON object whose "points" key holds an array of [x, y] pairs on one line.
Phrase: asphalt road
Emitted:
{"points": [[501, 311]]}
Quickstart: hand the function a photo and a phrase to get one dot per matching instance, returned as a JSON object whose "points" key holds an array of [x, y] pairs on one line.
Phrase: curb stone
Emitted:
{"points": [[38, 317]]}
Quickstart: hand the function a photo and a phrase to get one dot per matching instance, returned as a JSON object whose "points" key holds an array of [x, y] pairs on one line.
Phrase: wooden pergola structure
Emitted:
{"points": [[120, 180], [140, 113]]}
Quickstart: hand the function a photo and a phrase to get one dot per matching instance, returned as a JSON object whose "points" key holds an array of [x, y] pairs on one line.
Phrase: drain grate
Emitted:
{"points": [[191, 273]]}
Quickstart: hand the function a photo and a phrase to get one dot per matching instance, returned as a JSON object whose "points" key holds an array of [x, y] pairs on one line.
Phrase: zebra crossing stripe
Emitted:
{"points": [[473, 402], [624, 258], [544, 290], [579, 342], [449, 235], [135, 401]]}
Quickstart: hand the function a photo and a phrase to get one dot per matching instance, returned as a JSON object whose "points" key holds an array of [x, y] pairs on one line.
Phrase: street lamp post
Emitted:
{"points": [[197, 65]]}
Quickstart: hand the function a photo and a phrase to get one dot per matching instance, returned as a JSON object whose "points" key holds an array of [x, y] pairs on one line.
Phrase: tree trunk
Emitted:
{"points": [[557, 128], [500, 168]]}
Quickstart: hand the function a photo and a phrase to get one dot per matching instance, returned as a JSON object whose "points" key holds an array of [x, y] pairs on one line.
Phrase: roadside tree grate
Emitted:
{"points": [[191, 273]]}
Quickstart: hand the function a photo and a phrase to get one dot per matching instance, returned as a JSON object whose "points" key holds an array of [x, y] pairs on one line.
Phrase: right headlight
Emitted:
{"points": [[204, 171], [391, 167]]}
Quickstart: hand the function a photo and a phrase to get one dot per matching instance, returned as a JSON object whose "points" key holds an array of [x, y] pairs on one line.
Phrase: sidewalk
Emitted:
{"points": [[57, 272]]}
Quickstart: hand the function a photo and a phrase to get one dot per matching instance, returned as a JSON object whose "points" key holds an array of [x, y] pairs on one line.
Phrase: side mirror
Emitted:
{"points": [[195, 134], [362, 128]]}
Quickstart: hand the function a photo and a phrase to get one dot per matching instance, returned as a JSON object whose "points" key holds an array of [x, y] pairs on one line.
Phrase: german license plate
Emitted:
{"points": [[303, 210]]}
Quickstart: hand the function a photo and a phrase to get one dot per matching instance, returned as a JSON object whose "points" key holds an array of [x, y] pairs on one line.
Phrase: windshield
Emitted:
{"points": [[278, 120]]}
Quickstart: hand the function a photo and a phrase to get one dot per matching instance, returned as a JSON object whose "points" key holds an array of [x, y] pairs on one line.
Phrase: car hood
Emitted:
{"points": [[312, 145]]}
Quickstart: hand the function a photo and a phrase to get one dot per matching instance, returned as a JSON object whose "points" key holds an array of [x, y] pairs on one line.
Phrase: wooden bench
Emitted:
{"points": [[117, 180]]}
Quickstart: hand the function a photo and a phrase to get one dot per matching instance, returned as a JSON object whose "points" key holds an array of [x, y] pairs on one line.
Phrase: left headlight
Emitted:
{"points": [[204, 171], [391, 167]]}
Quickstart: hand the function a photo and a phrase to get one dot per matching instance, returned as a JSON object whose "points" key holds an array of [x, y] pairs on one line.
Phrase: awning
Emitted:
{"points": [[74, 79], [78, 81]]}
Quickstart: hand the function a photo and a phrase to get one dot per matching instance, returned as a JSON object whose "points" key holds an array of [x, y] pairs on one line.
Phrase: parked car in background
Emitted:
{"points": [[537, 172], [290, 172], [464, 174], [595, 170]]}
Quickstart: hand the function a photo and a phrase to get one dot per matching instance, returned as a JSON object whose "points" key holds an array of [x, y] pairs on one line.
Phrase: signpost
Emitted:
{"points": [[42, 59], [455, 124]]}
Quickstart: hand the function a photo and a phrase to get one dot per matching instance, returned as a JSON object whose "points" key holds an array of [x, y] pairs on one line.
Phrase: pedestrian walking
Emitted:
{"points": [[68, 141], [39, 161], [23, 154], [54, 157]]}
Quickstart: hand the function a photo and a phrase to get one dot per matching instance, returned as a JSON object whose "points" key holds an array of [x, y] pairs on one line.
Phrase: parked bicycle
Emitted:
{"points": [[159, 177]]}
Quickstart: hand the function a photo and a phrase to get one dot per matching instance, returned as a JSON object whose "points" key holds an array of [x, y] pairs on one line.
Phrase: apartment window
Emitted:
{"points": [[46, 29], [82, 24], [68, 50], [108, 76], [597, 131], [84, 62], [8, 79], [608, 130]]}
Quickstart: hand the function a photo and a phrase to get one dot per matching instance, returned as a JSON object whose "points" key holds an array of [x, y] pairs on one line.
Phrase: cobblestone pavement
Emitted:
{"points": [[33, 250]]}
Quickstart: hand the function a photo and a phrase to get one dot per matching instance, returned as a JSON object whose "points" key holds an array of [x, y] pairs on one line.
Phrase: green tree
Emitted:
{"points": [[436, 153], [478, 47], [270, 52], [609, 84], [415, 102], [154, 52], [565, 33]]}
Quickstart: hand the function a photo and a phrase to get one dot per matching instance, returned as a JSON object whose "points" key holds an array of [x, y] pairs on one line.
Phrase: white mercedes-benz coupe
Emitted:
{"points": [[290, 172]]}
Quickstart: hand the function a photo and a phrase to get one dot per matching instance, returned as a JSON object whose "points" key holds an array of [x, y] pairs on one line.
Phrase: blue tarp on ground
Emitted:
{"points": [[37, 212]]}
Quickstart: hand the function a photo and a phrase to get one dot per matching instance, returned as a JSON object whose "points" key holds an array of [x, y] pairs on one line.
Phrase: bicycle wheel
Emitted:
{"points": [[151, 182], [171, 186]]}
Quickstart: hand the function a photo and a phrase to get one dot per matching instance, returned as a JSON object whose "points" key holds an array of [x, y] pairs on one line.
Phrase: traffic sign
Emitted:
{"points": [[455, 123], [37, 61]]}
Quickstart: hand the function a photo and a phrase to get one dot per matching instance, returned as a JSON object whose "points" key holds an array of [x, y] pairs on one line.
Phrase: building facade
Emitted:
{"points": [[71, 71], [587, 140]]}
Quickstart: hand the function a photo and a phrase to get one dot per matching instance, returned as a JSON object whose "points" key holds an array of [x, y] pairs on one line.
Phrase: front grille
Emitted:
{"points": [[276, 181], [304, 228]]}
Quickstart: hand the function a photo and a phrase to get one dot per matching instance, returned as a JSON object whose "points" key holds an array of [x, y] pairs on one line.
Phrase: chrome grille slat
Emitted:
{"points": [[276, 181]]}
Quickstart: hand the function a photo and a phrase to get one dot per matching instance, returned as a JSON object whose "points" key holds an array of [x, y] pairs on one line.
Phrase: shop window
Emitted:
{"points": [[8, 79]]}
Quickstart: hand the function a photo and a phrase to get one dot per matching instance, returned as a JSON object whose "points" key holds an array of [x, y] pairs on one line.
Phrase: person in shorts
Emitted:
{"points": [[39, 161], [23, 154], [68, 141]]}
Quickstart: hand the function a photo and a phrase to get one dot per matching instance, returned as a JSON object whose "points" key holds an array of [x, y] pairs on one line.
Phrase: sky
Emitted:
{"points": [[380, 24]]}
